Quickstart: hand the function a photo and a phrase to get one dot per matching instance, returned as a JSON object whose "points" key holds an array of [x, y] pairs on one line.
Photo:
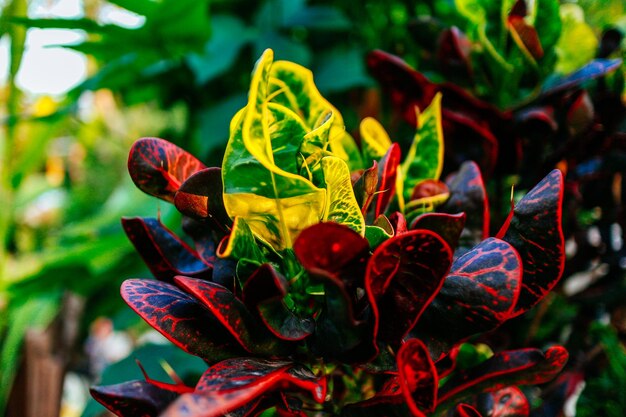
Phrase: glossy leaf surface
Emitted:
{"points": [[374, 138], [417, 376], [448, 226], [180, 318], [133, 398], [159, 167], [342, 206]]}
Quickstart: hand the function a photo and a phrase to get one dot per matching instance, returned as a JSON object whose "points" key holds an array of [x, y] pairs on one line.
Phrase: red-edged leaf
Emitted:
{"points": [[418, 377], [448, 226], [263, 293], [365, 187], [403, 276], [428, 188], [180, 318], [178, 387], [453, 53], [233, 383], [133, 398], [335, 250], [506, 402], [398, 223], [234, 316], [201, 196], [466, 410], [204, 238], [159, 167], [387, 172], [468, 195], [478, 294], [163, 252], [536, 233], [515, 367], [525, 36], [447, 363]]}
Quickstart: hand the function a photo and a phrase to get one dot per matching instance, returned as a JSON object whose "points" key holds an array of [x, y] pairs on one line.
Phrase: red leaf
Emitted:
{"points": [[536, 233], [525, 36], [159, 167], [133, 398], [387, 172], [468, 195], [478, 294], [398, 223], [201, 196], [418, 377], [453, 53], [234, 316], [448, 226], [465, 410], [180, 318], [231, 384], [514, 367], [163, 252], [365, 187], [403, 276], [506, 402]]}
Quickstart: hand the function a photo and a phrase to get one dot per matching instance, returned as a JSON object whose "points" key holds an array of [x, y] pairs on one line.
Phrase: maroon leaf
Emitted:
{"points": [[403, 276], [163, 252], [453, 53], [514, 367], [204, 238], [478, 294], [233, 383], [525, 36], [180, 318], [506, 402], [201, 196], [536, 233], [468, 195], [447, 363], [133, 398], [234, 316], [159, 167], [333, 249], [418, 377], [448, 226], [263, 293], [428, 188], [398, 223], [465, 410], [365, 187], [387, 172]]}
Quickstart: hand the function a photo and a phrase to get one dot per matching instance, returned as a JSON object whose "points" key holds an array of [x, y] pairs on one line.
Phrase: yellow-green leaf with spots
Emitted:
{"points": [[342, 205]]}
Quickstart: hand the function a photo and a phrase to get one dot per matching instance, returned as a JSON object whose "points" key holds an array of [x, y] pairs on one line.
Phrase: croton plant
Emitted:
{"points": [[330, 277]]}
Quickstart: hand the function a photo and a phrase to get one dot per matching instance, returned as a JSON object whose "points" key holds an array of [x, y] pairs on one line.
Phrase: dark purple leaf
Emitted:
{"points": [[536, 233], [133, 398], [159, 167], [263, 293], [453, 54], [234, 316], [201, 196], [506, 402], [417, 377], [403, 276], [180, 318], [231, 384], [163, 252], [514, 367], [594, 69], [478, 294], [468, 195], [448, 226]]}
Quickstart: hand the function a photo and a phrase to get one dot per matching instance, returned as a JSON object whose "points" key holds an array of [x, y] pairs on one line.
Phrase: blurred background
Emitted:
{"points": [[81, 80]]}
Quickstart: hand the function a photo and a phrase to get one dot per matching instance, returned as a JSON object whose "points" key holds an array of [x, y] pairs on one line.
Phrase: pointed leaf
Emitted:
{"points": [[162, 251], [525, 36], [342, 205], [514, 367], [365, 187], [506, 402], [200, 196], [387, 171], [448, 226], [234, 316], [159, 167], [466, 410], [417, 377], [479, 293], [232, 383], [133, 398], [240, 244], [468, 195], [374, 138], [180, 318], [536, 233], [403, 276], [594, 69]]}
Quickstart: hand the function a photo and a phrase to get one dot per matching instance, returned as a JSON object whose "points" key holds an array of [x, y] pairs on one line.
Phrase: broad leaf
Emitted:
{"points": [[180, 318], [163, 252], [506, 402], [374, 139], [479, 293], [424, 161], [403, 276], [234, 316], [417, 377], [448, 226], [342, 205], [240, 244], [514, 367], [159, 167], [536, 233], [133, 398], [231, 384]]}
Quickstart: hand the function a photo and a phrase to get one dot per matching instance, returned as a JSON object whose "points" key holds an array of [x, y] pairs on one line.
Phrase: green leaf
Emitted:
{"points": [[425, 157], [322, 17], [375, 235], [472, 10], [342, 205], [349, 62], [261, 184], [241, 244], [142, 7], [577, 44], [344, 147]]}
